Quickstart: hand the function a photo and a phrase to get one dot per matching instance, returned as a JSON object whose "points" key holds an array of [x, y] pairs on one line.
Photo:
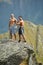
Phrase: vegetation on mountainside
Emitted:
{"points": [[31, 35]]}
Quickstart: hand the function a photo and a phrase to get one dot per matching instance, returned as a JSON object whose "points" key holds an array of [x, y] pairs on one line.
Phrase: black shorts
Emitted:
{"points": [[21, 30]]}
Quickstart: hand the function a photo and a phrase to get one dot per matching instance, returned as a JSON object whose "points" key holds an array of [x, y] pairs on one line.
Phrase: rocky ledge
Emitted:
{"points": [[14, 53]]}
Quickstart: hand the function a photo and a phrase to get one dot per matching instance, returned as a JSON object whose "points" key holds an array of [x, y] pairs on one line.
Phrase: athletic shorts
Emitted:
{"points": [[21, 30], [13, 29]]}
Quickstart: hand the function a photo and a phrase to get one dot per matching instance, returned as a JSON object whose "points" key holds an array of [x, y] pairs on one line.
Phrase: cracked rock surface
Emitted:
{"points": [[13, 53]]}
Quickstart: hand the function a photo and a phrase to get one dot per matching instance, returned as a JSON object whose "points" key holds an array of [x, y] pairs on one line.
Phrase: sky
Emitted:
{"points": [[31, 10]]}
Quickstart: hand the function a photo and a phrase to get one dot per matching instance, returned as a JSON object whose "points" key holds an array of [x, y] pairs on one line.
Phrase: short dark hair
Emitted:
{"points": [[20, 17]]}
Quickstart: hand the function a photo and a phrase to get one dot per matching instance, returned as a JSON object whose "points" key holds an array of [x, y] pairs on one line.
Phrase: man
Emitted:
{"points": [[21, 28], [12, 30]]}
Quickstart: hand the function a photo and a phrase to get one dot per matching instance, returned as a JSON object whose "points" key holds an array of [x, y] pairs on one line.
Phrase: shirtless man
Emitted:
{"points": [[21, 29], [12, 22]]}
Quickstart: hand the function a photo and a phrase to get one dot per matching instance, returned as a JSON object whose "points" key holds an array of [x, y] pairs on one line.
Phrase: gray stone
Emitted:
{"points": [[12, 53]]}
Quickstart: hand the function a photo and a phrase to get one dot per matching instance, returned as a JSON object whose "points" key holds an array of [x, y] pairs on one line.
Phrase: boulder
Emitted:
{"points": [[14, 53]]}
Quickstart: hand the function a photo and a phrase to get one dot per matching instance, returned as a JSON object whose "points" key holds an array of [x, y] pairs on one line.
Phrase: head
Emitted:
{"points": [[12, 15], [20, 17]]}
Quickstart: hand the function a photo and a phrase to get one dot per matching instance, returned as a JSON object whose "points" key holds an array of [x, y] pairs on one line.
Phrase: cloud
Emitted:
{"points": [[7, 1]]}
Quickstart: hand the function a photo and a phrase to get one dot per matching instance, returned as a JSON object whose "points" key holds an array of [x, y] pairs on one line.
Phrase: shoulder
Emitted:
{"points": [[15, 19], [21, 21]]}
